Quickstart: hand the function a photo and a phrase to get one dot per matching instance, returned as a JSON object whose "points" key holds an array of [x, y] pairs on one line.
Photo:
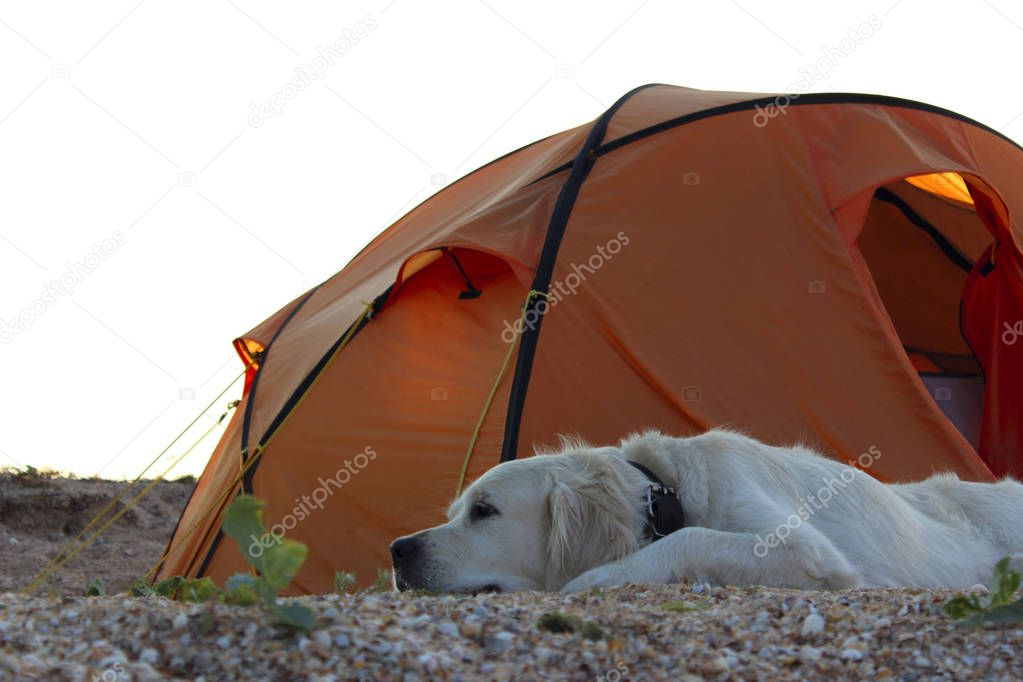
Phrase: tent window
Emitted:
{"points": [[920, 241]]}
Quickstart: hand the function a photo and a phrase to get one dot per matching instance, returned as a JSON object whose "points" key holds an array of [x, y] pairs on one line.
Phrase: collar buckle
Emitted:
{"points": [[663, 507]]}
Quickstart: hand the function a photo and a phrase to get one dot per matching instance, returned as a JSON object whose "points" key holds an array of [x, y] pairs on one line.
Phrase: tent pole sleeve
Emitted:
{"points": [[548, 257]]}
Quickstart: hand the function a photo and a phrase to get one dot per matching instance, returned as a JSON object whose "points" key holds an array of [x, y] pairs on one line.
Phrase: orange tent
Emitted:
{"points": [[842, 270]]}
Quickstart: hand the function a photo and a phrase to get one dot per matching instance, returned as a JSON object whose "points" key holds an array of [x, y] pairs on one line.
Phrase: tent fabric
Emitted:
{"points": [[704, 264]]}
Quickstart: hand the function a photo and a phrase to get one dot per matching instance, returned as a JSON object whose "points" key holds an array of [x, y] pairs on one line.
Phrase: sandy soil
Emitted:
{"points": [[39, 515]]}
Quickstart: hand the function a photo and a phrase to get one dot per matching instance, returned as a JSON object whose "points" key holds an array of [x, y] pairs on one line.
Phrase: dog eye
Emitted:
{"points": [[481, 510]]}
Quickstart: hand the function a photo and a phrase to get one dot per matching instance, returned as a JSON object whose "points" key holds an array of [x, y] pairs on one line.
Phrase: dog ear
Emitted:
{"points": [[566, 514], [593, 517]]}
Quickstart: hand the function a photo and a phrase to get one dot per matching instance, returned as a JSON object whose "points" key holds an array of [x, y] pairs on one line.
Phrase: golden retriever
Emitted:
{"points": [[753, 514]]}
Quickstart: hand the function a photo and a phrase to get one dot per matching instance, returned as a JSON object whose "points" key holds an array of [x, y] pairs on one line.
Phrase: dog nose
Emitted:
{"points": [[403, 549]]}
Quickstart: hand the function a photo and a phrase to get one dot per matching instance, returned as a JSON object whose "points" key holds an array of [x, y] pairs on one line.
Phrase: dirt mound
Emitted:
{"points": [[40, 514]]}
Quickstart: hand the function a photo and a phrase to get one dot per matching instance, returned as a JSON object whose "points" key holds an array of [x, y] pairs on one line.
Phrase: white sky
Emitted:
{"points": [[130, 122]]}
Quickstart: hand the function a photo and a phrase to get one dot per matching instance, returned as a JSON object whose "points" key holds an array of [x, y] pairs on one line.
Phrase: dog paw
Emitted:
{"points": [[609, 575]]}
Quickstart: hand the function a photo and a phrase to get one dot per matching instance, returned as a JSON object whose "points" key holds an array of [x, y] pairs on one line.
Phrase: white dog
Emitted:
{"points": [[719, 507]]}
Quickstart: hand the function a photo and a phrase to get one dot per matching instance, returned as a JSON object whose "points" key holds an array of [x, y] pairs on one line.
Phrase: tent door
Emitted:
{"points": [[920, 241]]}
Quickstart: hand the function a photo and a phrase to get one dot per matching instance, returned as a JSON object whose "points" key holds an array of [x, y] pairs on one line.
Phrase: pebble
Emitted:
{"points": [[428, 661], [812, 625], [502, 641], [718, 664]]}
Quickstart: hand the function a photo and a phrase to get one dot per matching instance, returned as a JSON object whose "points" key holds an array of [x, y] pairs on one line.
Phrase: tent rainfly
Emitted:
{"points": [[838, 269]]}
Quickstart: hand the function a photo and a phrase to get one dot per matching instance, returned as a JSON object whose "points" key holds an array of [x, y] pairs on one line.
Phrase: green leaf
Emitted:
{"points": [[242, 589], [95, 588], [295, 615], [281, 563], [141, 588], [1004, 584], [997, 607], [684, 606], [243, 522], [963, 606], [1009, 614], [200, 591], [169, 587]]}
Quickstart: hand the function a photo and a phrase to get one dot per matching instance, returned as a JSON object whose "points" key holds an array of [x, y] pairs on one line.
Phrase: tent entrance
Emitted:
{"points": [[920, 241]]}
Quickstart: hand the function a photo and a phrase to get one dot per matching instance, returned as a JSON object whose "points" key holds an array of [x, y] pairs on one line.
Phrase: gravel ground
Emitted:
{"points": [[664, 632]]}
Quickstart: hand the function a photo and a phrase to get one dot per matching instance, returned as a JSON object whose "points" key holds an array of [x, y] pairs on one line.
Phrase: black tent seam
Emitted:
{"points": [[808, 99], [209, 555], [246, 422], [247, 418], [951, 252], [581, 166]]}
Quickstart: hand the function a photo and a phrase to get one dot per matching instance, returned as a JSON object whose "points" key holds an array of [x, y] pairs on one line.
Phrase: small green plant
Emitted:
{"points": [[382, 583], [274, 567], [591, 630], [684, 606], [33, 477], [558, 622], [276, 564], [95, 588], [996, 607], [187, 478], [344, 583]]}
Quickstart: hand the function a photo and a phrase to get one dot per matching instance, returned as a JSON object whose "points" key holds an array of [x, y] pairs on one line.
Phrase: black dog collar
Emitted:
{"points": [[663, 508]]}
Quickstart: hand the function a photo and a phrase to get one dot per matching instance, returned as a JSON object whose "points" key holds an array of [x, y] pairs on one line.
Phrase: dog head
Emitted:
{"points": [[529, 524]]}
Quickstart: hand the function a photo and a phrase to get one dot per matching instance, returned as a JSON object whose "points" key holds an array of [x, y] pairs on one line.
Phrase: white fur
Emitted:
{"points": [[575, 520]]}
